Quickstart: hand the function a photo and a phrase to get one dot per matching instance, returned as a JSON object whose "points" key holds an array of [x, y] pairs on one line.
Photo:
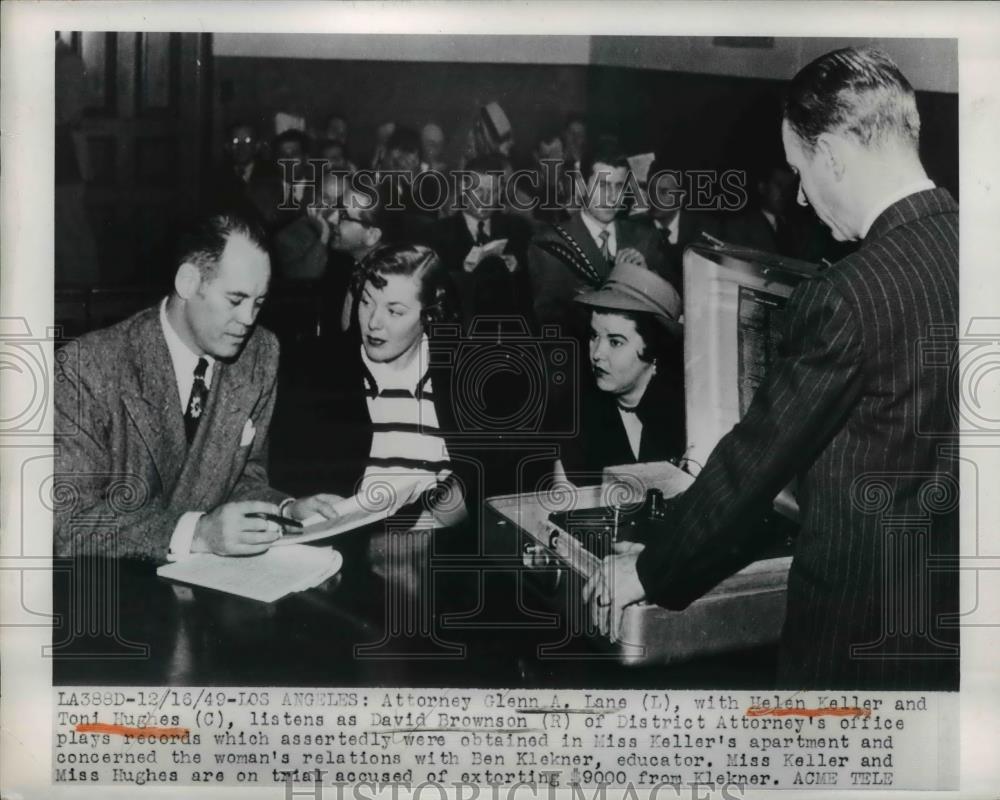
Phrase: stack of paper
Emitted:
{"points": [[267, 577], [359, 510]]}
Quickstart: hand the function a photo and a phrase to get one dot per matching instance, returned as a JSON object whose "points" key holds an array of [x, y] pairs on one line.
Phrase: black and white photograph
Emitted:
{"points": [[593, 406]]}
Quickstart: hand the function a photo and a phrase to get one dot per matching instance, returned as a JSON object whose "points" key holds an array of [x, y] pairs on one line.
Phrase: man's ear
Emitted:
{"points": [[373, 236], [187, 280], [833, 150]]}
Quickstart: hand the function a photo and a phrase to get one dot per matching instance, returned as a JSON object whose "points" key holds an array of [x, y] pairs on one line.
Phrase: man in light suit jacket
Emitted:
{"points": [[565, 259], [850, 407], [164, 416]]}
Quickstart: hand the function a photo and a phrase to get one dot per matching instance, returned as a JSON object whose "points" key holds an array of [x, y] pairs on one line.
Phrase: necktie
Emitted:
{"points": [[605, 235], [481, 236], [196, 402]]}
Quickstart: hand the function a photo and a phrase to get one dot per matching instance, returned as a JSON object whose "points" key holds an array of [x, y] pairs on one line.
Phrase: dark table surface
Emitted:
{"points": [[118, 623]]}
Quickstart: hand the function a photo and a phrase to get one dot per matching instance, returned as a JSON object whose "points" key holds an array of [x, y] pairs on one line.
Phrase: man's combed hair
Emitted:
{"points": [[202, 244], [857, 91], [606, 151]]}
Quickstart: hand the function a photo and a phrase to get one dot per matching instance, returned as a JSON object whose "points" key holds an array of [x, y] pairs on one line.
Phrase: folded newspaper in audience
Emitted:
{"points": [[479, 252]]}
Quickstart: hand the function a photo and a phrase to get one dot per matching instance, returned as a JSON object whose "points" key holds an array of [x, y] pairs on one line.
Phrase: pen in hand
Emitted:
{"points": [[286, 522]]}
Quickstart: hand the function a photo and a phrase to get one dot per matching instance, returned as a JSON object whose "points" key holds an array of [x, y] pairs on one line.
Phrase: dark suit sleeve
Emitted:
{"points": [[802, 404], [253, 483], [98, 509], [646, 240], [646, 243], [549, 286]]}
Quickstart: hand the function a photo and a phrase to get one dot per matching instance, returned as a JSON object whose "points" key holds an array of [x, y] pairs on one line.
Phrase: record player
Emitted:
{"points": [[734, 302]]}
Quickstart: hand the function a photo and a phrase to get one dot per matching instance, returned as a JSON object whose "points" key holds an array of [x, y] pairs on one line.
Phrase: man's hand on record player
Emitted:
{"points": [[613, 587]]}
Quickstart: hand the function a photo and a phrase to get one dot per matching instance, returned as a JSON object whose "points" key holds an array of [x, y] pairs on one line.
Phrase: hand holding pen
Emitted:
{"points": [[298, 510]]}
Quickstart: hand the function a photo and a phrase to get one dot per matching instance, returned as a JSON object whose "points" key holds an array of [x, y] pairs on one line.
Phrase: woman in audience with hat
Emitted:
{"points": [[633, 410]]}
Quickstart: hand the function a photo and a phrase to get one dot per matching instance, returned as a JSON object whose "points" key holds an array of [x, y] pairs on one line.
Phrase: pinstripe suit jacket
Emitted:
{"points": [[867, 424], [124, 470]]}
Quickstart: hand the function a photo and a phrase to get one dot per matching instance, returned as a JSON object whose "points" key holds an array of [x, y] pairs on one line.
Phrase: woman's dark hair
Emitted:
{"points": [[657, 341], [417, 260]]}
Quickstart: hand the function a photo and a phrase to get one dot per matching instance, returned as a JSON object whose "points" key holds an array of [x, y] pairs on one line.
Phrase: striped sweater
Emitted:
{"points": [[408, 452]]}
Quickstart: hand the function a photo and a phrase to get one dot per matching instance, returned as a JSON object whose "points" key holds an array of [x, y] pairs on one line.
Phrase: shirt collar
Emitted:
{"points": [[894, 197], [183, 359], [673, 228], [408, 379]]}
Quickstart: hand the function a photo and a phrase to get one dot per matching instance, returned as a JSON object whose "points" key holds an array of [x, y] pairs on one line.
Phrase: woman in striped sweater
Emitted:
{"points": [[401, 291], [394, 427]]}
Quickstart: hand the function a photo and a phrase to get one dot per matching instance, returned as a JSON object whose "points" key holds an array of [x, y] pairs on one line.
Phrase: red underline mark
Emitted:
{"points": [[124, 730], [759, 711]]}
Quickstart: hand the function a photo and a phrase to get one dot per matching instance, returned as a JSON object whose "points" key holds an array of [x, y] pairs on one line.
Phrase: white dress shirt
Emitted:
{"points": [[633, 429], [473, 225], [246, 173], [772, 219], [184, 359], [595, 228], [673, 228]]}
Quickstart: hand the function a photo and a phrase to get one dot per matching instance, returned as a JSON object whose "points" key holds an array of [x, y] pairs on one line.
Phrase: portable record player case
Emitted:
{"points": [[734, 300]]}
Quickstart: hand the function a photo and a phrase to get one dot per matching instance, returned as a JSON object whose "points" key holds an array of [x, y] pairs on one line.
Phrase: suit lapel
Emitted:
{"points": [[499, 227], [462, 234], [579, 231], [686, 229], [153, 404], [231, 399]]}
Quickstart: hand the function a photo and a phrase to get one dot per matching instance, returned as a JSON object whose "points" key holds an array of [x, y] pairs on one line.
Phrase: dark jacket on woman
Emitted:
{"points": [[602, 440]]}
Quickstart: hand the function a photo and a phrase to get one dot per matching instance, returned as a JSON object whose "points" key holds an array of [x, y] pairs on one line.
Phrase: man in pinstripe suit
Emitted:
{"points": [[849, 408]]}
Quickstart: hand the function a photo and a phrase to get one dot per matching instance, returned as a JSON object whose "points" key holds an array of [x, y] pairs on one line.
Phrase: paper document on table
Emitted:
{"points": [[267, 577], [379, 502], [479, 252]]}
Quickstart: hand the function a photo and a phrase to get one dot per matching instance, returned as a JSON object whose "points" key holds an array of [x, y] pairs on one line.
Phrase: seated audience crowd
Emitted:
{"points": [[465, 317], [499, 246]]}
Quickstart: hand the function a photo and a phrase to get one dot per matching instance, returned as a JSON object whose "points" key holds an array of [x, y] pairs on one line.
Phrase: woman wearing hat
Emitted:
{"points": [[634, 409]]}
